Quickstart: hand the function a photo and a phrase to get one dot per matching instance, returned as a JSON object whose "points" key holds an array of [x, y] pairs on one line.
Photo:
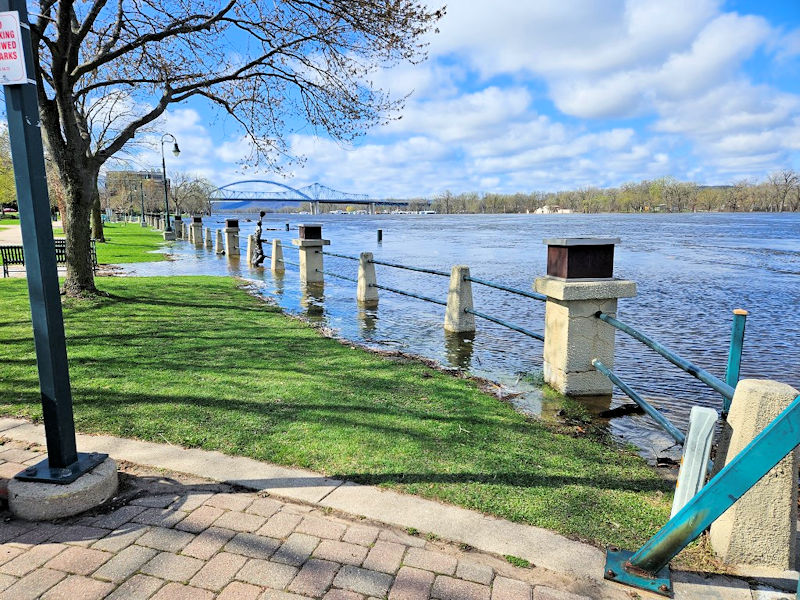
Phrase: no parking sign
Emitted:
{"points": [[12, 60]]}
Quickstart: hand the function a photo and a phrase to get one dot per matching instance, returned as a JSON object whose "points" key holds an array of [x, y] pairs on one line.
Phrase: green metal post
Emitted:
{"points": [[734, 355]]}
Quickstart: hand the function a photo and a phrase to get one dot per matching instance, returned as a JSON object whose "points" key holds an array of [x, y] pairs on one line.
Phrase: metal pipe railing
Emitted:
{"points": [[665, 423], [336, 275], [734, 354], [420, 269], [710, 380], [538, 336], [340, 255], [534, 295], [410, 294]]}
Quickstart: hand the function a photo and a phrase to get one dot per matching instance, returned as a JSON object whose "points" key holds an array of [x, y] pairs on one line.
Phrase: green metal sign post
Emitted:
{"points": [[63, 463]]}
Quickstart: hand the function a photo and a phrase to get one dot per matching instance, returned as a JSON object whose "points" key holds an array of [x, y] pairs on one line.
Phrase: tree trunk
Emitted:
{"points": [[97, 217], [77, 230]]}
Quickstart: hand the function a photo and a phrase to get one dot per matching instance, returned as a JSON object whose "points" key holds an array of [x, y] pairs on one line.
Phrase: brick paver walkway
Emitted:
{"points": [[170, 537]]}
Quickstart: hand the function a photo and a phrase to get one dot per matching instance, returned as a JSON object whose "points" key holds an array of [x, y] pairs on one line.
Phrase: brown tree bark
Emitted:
{"points": [[97, 218]]}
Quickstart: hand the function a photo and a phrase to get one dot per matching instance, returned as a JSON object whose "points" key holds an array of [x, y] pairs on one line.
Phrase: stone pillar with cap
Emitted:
{"points": [[579, 283], [310, 244], [209, 239], [220, 247], [197, 230], [177, 225], [232, 238]]}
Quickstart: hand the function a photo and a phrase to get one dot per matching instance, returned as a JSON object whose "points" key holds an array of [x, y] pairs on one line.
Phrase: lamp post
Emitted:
{"points": [[141, 197], [176, 151]]}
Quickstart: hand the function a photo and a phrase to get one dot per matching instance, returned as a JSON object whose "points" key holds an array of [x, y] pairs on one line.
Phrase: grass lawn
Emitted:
{"points": [[127, 243], [9, 221], [196, 362]]}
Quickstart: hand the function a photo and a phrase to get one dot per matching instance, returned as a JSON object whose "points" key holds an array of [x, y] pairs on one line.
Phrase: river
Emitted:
{"points": [[692, 270]]}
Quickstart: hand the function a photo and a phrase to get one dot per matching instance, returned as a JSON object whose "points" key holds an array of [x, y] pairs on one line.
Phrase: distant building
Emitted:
{"points": [[120, 181]]}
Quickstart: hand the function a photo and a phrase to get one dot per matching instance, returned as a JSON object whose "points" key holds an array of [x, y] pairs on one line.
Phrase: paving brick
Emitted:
{"points": [[349, 554], [389, 535], [322, 528], [191, 501], [511, 589], [218, 572], [252, 545], [41, 532], [208, 543], [14, 529], [31, 559], [172, 567], [240, 521], [361, 534], [336, 594], [6, 581], [237, 502], [314, 578], [268, 574], [278, 595], [264, 507], [161, 517], [280, 525], [430, 561], [125, 564], [240, 591], [121, 538], [33, 585], [176, 591], [385, 557], [18, 455], [298, 509], [77, 586], [449, 588], [474, 572], [168, 540], [411, 584], [79, 535], [80, 561], [296, 549], [155, 501], [8, 553], [546, 593], [138, 587], [200, 519], [363, 581], [116, 519]]}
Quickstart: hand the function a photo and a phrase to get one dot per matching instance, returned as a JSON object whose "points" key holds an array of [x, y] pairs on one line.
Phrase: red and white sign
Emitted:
{"points": [[12, 60]]}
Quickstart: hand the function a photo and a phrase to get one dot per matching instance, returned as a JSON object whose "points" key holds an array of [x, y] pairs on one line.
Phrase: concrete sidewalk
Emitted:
{"points": [[282, 534]]}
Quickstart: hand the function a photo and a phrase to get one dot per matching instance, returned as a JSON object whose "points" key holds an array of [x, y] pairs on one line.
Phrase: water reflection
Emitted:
{"points": [[312, 298], [459, 348], [367, 319]]}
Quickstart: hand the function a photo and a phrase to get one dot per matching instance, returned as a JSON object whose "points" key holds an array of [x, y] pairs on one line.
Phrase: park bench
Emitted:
{"points": [[15, 255]]}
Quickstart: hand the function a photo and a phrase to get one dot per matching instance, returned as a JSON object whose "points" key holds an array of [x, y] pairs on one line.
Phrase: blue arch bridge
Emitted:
{"points": [[233, 195]]}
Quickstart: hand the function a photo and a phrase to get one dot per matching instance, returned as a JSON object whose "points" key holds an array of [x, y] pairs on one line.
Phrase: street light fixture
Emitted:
{"points": [[176, 151]]}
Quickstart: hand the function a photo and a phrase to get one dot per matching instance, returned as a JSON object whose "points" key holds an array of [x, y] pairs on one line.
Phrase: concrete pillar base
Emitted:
{"points": [[220, 246], [277, 265], [459, 299], [36, 501], [197, 234], [311, 264], [169, 236], [366, 292], [574, 337], [232, 242], [760, 528], [209, 239]]}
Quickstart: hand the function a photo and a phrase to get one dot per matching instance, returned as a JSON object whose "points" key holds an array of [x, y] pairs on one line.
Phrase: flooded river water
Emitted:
{"points": [[692, 270]]}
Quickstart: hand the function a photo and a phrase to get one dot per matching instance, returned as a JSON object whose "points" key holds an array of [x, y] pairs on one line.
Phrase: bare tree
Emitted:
{"points": [[191, 194], [107, 70], [782, 183]]}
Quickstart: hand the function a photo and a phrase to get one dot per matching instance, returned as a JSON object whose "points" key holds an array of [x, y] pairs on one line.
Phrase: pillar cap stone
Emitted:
{"points": [[582, 241], [310, 243], [559, 289]]}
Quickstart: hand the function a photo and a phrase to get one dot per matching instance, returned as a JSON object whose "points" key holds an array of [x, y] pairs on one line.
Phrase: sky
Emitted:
{"points": [[547, 95]]}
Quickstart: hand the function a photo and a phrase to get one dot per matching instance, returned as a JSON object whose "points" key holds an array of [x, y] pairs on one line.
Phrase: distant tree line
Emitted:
{"points": [[780, 192]]}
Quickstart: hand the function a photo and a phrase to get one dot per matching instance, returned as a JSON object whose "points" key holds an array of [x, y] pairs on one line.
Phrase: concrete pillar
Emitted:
{"points": [[232, 238], [251, 248], [372, 208], [459, 298], [760, 528], [315, 208], [177, 226], [579, 283], [209, 239], [310, 245], [366, 293], [277, 257], [197, 230], [220, 246]]}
